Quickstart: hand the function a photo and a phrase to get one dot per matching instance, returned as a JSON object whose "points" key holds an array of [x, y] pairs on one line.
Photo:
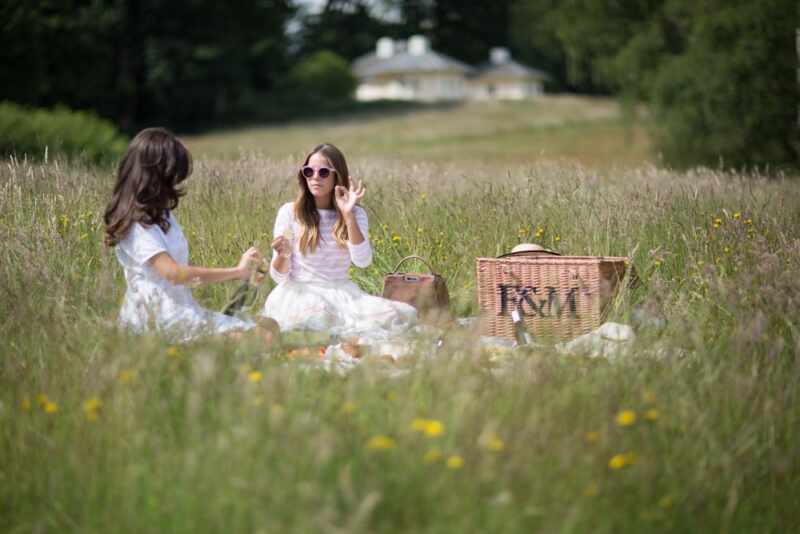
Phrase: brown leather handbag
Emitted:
{"points": [[427, 292]]}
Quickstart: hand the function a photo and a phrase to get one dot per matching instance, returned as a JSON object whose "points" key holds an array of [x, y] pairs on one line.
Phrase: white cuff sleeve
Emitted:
{"points": [[278, 276], [361, 254]]}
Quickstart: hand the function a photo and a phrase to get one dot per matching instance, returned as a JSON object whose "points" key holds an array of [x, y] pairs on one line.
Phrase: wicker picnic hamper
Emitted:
{"points": [[559, 297]]}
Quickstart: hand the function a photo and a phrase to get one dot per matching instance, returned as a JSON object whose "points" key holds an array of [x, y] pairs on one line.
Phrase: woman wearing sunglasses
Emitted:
{"points": [[317, 237]]}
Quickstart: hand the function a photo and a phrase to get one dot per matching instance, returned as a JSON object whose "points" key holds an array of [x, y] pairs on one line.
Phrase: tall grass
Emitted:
{"points": [[101, 431]]}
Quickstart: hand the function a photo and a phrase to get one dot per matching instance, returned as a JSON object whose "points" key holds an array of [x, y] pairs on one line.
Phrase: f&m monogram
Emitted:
{"points": [[549, 306]]}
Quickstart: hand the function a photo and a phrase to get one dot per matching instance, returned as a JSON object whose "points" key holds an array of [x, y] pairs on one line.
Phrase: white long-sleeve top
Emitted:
{"points": [[329, 262]]}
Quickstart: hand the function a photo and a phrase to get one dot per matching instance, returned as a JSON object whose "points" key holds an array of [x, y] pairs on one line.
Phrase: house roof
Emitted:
{"points": [[370, 65], [505, 70]]}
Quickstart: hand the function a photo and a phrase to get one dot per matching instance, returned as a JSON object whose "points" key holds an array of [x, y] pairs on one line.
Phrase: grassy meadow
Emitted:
{"points": [[696, 430]]}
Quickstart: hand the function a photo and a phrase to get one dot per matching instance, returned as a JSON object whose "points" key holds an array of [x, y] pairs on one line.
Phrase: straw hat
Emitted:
{"points": [[529, 247]]}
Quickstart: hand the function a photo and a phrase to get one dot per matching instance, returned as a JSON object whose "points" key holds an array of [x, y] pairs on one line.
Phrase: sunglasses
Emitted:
{"points": [[323, 172]]}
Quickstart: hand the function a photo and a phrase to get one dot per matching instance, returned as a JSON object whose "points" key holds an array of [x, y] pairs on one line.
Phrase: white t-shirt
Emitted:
{"points": [[329, 262], [152, 302]]}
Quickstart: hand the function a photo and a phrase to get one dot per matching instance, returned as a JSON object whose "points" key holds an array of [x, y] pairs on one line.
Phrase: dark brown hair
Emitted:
{"points": [[147, 179], [305, 210]]}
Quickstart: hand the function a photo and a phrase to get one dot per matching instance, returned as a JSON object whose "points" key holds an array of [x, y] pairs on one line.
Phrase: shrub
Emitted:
{"points": [[31, 132], [321, 80]]}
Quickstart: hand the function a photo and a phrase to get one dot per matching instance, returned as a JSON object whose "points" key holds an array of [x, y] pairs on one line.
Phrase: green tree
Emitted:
{"points": [[719, 75], [347, 26], [144, 61], [322, 80], [732, 96]]}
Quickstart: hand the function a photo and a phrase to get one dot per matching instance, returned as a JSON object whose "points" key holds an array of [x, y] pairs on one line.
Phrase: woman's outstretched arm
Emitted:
{"points": [[178, 274]]}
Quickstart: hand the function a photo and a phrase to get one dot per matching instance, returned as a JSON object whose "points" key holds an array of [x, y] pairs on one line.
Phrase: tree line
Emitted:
{"points": [[718, 77]]}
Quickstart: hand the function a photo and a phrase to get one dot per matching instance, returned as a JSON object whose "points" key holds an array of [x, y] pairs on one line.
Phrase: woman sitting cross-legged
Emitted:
{"points": [[317, 237], [153, 251]]}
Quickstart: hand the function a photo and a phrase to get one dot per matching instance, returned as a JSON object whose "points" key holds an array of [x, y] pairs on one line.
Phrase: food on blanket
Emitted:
{"points": [[382, 359], [306, 353], [352, 349]]}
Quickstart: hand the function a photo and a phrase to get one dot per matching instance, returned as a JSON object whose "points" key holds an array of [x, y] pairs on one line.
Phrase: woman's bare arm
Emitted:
{"points": [[178, 274]]}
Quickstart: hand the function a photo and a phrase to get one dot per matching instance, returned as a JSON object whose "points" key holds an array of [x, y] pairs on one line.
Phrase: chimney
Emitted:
{"points": [[418, 45], [499, 55], [384, 48]]}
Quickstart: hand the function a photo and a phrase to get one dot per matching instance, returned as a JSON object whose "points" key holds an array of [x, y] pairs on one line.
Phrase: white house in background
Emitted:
{"points": [[400, 70], [411, 70], [502, 78]]}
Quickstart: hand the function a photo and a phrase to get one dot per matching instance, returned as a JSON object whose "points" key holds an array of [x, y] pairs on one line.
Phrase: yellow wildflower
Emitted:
{"points": [[91, 408], [557, 238], [348, 407], [748, 221], [255, 376], [592, 489], [737, 215], [618, 461], [430, 427], [173, 352], [432, 456], [666, 501], [591, 437], [380, 443], [657, 263], [455, 462], [492, 442], [41, 399], [50, 407], [651, 414], [419, 424], [626, 418], [126, 376], [434, 428], [396, 238], [717, 222]]}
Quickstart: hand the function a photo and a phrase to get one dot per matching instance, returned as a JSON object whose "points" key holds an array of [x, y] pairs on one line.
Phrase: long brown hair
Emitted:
{"points": [[305, 210], [147, 179]]}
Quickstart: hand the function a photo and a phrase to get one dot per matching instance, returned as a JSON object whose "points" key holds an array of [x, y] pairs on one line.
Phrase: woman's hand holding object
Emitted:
{"points": [[283, 246], [248, 263]]}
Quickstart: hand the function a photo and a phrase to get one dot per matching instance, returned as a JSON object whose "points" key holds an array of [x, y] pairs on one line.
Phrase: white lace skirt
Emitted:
{"points": [[340, 308]]}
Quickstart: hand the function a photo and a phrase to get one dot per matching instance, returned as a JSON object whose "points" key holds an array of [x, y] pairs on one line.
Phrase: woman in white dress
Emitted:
{"points": [[316, 238], [153, 251]]}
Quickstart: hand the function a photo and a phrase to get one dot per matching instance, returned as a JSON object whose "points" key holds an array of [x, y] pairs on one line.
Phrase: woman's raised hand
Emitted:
{"points": [[346, 199], [248, 262]]}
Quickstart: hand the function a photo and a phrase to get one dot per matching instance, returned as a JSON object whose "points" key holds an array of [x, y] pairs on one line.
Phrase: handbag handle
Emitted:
{"points": [[529, 253], [428, 265]]}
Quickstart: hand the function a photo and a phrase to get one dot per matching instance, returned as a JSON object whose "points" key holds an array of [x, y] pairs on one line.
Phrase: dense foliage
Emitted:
{"points": [[719, 76], [143, 61], [33, 133]]}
